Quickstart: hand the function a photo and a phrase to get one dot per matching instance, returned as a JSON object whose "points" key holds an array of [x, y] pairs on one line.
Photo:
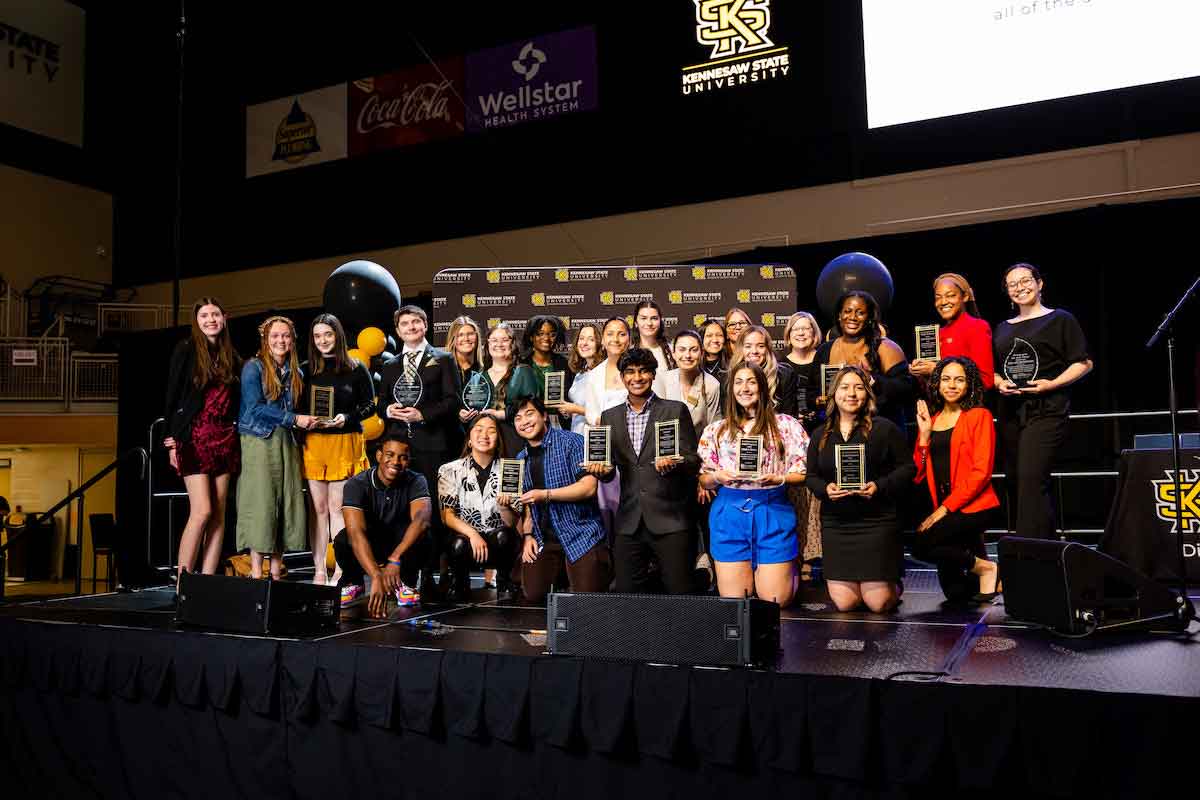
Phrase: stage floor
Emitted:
{"points": [[925, 640]]}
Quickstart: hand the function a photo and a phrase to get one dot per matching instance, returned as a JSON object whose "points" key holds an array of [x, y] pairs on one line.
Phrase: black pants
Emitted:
{"points": [[382, 544], [631, 558], [1029, 450], [952, 545], [426, 463], [502, 551]]}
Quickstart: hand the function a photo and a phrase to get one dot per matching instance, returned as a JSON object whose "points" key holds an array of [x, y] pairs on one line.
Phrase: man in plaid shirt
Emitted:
{"points": [[562, 521]]}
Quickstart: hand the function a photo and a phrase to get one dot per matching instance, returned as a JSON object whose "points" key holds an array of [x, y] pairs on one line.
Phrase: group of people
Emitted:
{"points": [[637, 520]]}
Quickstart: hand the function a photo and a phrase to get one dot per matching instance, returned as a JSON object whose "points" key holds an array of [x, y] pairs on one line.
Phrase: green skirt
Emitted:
{"points": [[271, 514]]}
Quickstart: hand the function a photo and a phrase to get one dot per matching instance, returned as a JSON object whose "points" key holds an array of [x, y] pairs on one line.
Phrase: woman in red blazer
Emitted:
{"points": [[956, 448]]}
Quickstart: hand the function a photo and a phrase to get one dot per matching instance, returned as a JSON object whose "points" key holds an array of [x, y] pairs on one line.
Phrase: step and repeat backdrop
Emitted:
{"points": [[688, 294]]}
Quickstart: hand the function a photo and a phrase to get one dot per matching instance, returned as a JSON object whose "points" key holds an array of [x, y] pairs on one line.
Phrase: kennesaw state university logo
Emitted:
{"points": [[733, 26], [1164, 499], [493, 276]]}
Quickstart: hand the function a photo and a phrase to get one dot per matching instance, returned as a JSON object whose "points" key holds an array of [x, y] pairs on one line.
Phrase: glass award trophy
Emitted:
{"points": [[666, 439], [929, 344], [851, 462], [1021, 364], [512, 476], [749, 456], [407, 393], [477, 394], [597, 445]]}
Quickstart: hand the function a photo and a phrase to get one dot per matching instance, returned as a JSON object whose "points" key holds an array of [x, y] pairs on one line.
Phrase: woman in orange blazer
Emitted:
{"points": [[956, 447]]}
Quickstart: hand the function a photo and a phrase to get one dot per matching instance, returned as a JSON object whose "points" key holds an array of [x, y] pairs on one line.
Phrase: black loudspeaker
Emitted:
{"points": [[664, 629], [246, 605], [1073, 589]]}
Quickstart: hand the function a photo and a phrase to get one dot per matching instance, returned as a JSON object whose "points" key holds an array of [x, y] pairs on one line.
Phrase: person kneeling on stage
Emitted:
{"points": [[562, 521], [651, 518], [753, 525], [479, 519], [387, 512]]}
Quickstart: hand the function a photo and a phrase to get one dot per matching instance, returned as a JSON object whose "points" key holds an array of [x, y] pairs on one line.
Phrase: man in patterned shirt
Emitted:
{"points": [[562, 521]]}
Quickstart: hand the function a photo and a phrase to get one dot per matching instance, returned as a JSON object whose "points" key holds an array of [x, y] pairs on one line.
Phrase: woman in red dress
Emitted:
{"points": [[202, 439]]}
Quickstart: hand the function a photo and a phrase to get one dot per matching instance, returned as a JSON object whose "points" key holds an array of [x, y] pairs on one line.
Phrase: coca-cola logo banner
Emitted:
{"points": [[532, 79], [412, 106]]}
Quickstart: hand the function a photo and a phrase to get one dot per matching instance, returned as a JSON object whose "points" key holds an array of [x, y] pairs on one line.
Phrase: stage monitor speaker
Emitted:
{"points": [[1075, 590], [664, 629], [246, 605]]}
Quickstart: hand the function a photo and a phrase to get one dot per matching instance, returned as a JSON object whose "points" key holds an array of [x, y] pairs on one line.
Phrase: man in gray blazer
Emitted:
{"points": [[657, 493]]}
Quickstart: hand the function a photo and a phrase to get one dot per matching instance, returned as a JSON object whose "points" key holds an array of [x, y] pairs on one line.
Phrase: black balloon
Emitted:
{"points": [[854, 271], [387, 357], [391, 343], [362, 294], [377, 378]]}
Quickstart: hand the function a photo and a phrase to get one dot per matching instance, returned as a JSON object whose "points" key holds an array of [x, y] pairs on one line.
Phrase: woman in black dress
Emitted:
{"points": [[802, 335], [857, 339], [860, 528], [203, 397], [1033, 413]]}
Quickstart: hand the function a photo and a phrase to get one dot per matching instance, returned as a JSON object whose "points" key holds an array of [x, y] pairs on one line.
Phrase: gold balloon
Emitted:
{"points": [[360, 356], [372, 341], [372, 428]]}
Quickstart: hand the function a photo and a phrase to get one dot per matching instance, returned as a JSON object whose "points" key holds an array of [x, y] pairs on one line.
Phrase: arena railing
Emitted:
{"points": [[122, 317], [33, 369], [93, 378], [13, 318]]}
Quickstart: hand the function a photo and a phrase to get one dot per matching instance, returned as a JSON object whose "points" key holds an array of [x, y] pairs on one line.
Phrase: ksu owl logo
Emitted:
{"points": [[743, 295], [631, 273], [629, 321], [566, 321], [562, 275], [768, 319], [698, 273], [468, 301], [538, 299], [698, 319], [606, 298], [675, 296], [766, 271], [493, 322], [493, 276]]}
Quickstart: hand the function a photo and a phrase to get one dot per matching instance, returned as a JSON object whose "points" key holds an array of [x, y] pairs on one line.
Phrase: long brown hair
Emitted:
{"points": [[833, 415], [732, 348], [215, 362], [771, 370], [577, 362], [272, 388], [342, 362], [764, 411]]}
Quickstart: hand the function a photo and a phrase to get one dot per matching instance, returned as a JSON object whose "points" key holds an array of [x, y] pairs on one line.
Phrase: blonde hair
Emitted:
{"points": [[791, 323], [770, 368], [272, 388], [458, 324]]}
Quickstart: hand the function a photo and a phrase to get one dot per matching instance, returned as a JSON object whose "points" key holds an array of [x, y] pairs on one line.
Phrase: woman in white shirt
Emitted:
{"points": [[688, 383], [650, 333]]}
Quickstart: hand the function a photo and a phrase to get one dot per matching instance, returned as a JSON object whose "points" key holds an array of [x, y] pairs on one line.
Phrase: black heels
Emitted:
{"points": [[988, 597]]}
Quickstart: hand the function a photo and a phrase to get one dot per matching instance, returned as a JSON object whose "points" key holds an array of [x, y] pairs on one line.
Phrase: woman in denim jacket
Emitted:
{"points": [[270, 497]]}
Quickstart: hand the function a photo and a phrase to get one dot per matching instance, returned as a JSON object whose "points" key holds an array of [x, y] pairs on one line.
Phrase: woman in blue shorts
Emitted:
{"points": [[753, 526]]}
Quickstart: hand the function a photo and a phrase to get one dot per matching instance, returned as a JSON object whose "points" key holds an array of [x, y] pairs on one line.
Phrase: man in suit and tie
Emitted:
{"points": [[428, 423], [655, 515]]}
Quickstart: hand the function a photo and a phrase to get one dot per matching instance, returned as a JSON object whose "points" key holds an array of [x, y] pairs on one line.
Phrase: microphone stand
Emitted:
{"points": [[1186, 611]]}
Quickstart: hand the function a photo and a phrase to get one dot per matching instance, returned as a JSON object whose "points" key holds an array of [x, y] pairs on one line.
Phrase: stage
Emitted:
{"points": [[103, 696]]}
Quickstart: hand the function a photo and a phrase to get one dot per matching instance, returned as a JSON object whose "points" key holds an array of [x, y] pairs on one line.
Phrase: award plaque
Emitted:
{"points": [[851, 465], [512, 476], [556, 388], [477, 394], [1021, 363], [597, 445], [828, 373], [666, 439], [749, 456], [321, 403], [929, 345]]}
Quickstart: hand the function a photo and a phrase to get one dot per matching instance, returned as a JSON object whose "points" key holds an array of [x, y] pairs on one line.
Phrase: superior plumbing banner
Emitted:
{"points": [[688, 294], [41, 68]]}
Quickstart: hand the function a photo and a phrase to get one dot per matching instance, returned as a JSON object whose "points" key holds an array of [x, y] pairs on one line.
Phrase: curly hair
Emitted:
{"points": [[862, 420], [974, 395], [535, 324], [872, 328]]}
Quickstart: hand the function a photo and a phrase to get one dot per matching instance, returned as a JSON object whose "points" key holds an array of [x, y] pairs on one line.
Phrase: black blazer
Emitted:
{"points": [[785, 389], [438, 405], [664, 501], [184, 400]]}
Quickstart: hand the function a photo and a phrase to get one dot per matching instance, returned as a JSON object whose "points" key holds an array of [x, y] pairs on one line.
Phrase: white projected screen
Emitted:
{"points": [[934, 58]]}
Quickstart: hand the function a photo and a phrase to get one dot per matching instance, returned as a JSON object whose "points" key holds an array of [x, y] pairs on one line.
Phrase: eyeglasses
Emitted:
{"points": [[1021, 283], [737, 324]]}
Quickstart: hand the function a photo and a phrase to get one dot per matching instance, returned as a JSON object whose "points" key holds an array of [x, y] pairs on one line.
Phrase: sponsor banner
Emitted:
{"points": [[687, 294], [412, 106], [532, 79], [296, 131], [735, 39], [42, 68]]}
